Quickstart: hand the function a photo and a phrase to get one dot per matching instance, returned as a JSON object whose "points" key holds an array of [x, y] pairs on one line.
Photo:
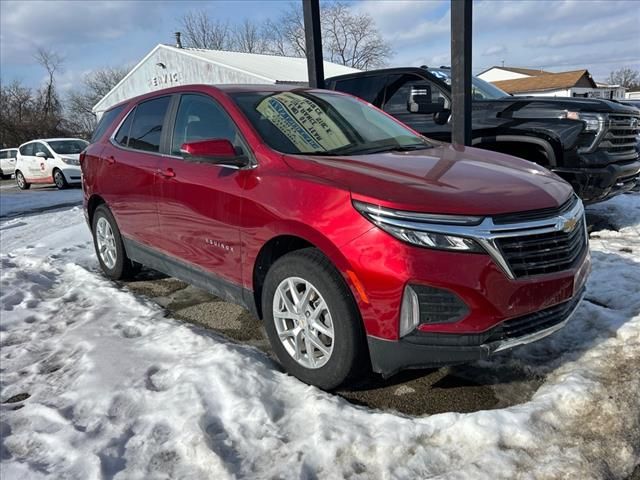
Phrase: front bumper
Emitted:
{"points": [[598, 184], [72, 174], [422, 350]]}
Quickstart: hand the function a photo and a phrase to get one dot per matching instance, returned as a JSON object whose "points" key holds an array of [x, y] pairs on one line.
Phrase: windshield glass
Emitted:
{"points": [[323, 123], [480, 89], [68, 147]]}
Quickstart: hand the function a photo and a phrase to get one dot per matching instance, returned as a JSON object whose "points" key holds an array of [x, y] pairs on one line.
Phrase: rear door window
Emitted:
{"points": [[146, 128], [369, 88], [105, 122]]}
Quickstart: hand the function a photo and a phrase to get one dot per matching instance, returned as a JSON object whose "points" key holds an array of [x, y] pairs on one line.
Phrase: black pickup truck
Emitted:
{"points": [[591, 143]]}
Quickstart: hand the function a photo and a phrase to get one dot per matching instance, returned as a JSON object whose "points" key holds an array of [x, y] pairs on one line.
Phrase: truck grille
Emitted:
{"points": [[620, 138], [544, 253]]}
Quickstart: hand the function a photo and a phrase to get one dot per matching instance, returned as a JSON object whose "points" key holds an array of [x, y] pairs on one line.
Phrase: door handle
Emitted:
{"points": [[167, 172], [111, 160]]}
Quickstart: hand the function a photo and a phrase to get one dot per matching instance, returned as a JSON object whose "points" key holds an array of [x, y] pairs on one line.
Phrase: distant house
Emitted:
{"points": [[633, 94], [167, 66], [527, 81]]}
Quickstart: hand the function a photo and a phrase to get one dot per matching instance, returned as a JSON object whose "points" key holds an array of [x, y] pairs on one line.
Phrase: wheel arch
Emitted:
{"points": [[94, 202], [284, 243], [546, 146]]}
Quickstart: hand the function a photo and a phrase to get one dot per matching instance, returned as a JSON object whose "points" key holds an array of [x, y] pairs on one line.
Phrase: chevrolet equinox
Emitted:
{"points": [[359, 243]]}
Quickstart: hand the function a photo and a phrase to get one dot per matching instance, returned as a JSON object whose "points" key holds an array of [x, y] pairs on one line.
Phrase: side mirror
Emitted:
{"points": [[421, 100], [442, 118], [41, 155], [217, 151]]}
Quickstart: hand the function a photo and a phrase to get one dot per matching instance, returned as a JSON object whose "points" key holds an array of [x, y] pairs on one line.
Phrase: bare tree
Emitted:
{"points": [[352, 39], [626, 77], [348, 38], [249, 37], [95, 85], [201, 31], [51, 62]]}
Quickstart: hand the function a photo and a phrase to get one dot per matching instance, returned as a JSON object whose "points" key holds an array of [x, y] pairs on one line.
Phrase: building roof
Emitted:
{"points": [[523, 71], [547, 81], [269, 69], [272, 68]]}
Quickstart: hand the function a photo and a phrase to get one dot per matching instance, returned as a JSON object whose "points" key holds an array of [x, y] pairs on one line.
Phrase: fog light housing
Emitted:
{"points": [[426, 305], [409, 311]]}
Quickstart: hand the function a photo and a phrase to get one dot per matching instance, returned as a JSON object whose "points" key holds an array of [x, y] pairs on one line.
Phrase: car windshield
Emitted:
{"points": [[68, 147], [480, 89], [324, 123]]}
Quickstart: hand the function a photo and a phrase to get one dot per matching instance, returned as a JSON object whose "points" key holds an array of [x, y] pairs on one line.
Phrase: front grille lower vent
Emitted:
{"points": [[439, 306]]}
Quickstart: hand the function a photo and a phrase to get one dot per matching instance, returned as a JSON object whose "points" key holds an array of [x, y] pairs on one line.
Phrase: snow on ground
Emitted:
{"points": [[27, 201], [117, 390]]}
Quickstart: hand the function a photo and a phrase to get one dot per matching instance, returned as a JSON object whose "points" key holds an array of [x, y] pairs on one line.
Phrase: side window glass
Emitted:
{"points": [[370, 88], [27, 149], [4, 155], [399, 91], [122, 137], [146, 128], [201, 118]]}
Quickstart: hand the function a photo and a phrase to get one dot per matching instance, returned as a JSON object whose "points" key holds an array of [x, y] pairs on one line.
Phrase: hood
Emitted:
{"points": [[444, 179], [561, 103]]}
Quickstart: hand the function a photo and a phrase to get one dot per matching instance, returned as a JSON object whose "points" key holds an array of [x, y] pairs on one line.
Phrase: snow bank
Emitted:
{"points": [[29, 201], [118, 390]]}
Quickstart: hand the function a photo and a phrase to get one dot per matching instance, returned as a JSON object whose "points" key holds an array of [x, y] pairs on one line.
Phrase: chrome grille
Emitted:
{"points": [[544, 253], [620, 138]]}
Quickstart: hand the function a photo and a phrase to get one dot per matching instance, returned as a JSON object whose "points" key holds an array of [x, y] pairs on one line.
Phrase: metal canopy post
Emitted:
{"points": [[313, 42], [461, 71]]}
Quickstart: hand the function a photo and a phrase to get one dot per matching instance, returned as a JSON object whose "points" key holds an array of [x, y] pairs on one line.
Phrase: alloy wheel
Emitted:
{"points": [[20, 180], [59, 179], [106, 243], [303, 322]]}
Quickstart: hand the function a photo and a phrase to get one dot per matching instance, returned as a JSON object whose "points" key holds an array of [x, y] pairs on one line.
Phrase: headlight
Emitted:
{"points": [[422, 229], [70, 161], [593, 122]]}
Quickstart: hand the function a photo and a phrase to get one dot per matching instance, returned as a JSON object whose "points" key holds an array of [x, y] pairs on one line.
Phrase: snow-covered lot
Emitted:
{"points": [[98, 383]]}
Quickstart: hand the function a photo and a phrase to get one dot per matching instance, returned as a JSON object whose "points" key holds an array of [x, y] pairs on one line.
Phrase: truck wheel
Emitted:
{"points": [[109, 247], [21, 181], [312, 321], [59, 180]]}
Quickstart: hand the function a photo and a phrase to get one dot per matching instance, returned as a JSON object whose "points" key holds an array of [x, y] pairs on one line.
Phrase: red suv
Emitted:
{"points": [[360, 243]]}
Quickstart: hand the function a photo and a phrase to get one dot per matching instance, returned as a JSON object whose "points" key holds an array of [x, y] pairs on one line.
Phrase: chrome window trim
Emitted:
{"points": [[486, 233]]}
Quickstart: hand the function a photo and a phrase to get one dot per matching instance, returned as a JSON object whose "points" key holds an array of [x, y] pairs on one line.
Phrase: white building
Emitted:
{"points": [[527, 81], [167, 66]]}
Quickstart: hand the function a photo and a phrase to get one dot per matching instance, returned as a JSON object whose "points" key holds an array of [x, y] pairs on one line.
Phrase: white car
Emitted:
{"points": [[8, 162], [51, 160]]}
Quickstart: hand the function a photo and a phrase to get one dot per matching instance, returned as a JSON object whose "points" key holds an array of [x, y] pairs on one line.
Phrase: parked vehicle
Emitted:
{"points": [[588, 142], [359, 242], [631, 103], [51, 160], [8, 162]]}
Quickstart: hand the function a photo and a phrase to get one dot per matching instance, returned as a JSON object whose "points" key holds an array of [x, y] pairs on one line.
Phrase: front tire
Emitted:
{"points": [[59, 179], [109, 246], [21, 181], [312, 320]]}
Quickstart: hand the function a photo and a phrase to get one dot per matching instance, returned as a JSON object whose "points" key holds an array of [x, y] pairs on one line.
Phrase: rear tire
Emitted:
{"points": [[21, 181], [301, 331], [109, 246], [59, 179]]}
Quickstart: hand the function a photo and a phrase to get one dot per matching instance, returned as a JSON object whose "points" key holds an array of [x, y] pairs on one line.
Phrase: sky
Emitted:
{"points": [[556, 35]]}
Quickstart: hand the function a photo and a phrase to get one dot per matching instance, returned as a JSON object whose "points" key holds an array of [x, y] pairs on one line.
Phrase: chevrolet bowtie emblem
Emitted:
{"points": [[568, 224]]}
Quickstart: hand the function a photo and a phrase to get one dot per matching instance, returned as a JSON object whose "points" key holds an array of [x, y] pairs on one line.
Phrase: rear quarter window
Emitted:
{"points": [[105, 122], [27, 149]]}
